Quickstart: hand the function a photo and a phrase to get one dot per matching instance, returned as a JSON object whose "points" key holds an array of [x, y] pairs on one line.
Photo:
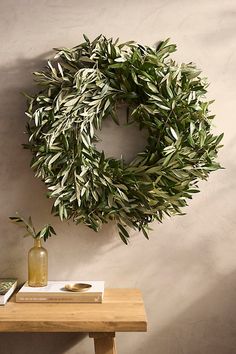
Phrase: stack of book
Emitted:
{"points": [[59, 291], [7, 287]]}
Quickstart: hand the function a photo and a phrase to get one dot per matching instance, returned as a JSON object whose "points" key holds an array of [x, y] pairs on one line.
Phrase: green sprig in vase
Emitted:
{"points": [[38, 255]]}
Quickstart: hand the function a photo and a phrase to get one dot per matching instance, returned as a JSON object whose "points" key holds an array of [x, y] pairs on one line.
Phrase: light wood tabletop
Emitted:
{"points": [[122, 310]]}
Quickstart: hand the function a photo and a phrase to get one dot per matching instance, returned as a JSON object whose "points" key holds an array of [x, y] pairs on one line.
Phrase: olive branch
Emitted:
{"points": [[80, 88]]}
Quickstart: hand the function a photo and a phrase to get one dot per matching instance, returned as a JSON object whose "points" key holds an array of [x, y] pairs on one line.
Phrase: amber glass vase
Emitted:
{"points": [[37, 265]]}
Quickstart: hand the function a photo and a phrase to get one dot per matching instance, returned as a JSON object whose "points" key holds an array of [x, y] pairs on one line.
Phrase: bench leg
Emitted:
{"points": [[104, 343]]}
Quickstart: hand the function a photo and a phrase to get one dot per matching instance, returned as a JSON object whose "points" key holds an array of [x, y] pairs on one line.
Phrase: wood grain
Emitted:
{"points": [[104, 343], [121, 311]]}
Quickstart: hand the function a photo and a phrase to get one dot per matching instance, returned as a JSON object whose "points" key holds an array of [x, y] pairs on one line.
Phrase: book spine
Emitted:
{"points": [[4, 298], [58, 299]]}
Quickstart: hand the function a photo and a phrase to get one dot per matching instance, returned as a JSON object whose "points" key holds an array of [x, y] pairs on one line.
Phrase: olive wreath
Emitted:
{"points": [[80, 88]]}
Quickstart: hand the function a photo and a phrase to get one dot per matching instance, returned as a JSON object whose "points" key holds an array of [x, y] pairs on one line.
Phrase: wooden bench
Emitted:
{"points": [[122, 310]]}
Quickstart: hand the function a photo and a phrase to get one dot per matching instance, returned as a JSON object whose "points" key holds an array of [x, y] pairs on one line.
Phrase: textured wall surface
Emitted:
{"points": [[187, 271]]}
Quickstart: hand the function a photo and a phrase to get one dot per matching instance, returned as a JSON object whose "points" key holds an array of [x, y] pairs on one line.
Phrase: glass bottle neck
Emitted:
{"points": [[37, 242]]}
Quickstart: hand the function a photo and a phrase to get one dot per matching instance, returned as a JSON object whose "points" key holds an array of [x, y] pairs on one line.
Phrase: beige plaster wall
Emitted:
{"points": [[187, 271]]}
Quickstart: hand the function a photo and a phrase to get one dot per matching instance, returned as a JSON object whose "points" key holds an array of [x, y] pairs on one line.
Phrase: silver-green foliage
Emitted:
{"points": [[78, 90], [44, 233]]}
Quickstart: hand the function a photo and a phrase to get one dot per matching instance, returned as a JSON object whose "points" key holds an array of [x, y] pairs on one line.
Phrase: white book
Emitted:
{"points": [[55, 291], [7, 287]]}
